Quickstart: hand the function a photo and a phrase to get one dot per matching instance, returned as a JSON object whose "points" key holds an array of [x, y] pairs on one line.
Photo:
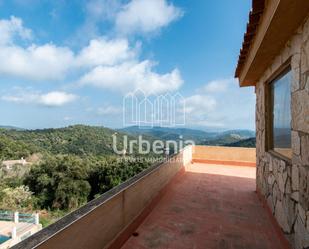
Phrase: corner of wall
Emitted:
{"points": [[284, 185]]}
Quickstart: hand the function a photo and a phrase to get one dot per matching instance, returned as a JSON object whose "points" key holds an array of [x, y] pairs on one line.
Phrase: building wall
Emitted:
{"points": [[285, 185]]}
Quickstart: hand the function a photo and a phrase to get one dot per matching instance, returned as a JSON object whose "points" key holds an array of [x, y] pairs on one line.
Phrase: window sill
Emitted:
{"points": [[280, 156]]}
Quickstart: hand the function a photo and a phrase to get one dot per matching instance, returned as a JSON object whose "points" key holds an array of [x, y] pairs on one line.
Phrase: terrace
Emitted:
{"points": [[203, 197], [15, 227]]}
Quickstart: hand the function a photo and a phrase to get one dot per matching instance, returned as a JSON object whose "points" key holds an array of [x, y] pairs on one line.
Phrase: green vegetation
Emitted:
{"points": [[77, 140], [12, 149], [19, 198], [49, 217], [174, 134], [70, 166], [59, 182], [106, 174], [63, 183], [198, 136], [249, 143]]}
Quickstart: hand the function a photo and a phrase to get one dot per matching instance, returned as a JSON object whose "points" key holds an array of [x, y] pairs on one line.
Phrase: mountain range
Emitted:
{"points": [[198, 136], [85, 141]]}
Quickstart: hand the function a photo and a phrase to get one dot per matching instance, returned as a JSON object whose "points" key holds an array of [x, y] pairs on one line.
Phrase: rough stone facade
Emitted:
{"points": [[284, 184]]}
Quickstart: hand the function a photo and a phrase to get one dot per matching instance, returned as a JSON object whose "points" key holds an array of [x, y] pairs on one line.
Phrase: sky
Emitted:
{"points": [[73, 61]]}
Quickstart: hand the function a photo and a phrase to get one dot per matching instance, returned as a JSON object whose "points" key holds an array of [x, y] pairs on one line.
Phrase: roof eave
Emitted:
{"points": [[280, 20]]}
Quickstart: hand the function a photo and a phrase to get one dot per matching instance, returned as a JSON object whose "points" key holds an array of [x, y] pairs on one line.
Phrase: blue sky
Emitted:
{"points": [[72, 61]]}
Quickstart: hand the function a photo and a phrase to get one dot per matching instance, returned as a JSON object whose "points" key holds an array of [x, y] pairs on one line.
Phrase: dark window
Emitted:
{"points": [[280, 122]]}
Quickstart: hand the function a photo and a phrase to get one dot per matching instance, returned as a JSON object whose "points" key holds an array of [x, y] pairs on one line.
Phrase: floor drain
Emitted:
{"points": [[135, 234]]}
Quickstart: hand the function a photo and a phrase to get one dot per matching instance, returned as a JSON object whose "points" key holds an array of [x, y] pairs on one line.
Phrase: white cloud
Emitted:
{"points": [[13, 28], [145, 16], [56, 98], [207, 123], [105, 52], [50, 99], [128, 17], [46, 62], [124, 18], [199, 104], [96, 12], [216, 86], [68, 118], [221, 103], [109, 110], [102, 9], [199, 111], [50, 62], [105, 63], [131, 76]]}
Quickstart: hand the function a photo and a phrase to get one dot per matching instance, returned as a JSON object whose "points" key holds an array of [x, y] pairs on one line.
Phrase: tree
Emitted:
{"points": [[108, 173], [19, 198], [60, 182]]}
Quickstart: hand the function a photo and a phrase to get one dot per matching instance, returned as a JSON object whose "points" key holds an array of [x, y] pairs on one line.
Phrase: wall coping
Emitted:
{"points": [[45, 234]]}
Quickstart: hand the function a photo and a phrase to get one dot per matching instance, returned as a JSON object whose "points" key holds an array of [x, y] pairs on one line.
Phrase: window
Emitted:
{"points": [[280, 114]]}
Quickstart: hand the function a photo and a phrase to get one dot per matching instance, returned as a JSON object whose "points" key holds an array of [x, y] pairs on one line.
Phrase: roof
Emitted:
{"points": [[13, 162], [254, 18], [271, 24]]}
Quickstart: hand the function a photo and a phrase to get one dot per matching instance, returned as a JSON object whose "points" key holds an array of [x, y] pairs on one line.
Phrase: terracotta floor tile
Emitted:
{"points": [[208, 207]]}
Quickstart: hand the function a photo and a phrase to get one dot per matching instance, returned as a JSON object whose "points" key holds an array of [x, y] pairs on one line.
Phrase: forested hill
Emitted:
{"points": [[84, 140], [200, 137], [77, 140], [167, 133], [8, 127], [68, 167], [250, 143]]}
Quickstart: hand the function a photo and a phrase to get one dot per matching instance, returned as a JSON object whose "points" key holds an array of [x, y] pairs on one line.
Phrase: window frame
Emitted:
{"points": [[283, 69]]}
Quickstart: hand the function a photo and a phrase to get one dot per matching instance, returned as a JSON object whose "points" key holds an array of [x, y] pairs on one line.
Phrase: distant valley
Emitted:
{"points": [[237, 138]]}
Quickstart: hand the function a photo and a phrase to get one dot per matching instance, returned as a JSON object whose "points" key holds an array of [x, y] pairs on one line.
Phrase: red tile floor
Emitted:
{"points": [[209, 206]]}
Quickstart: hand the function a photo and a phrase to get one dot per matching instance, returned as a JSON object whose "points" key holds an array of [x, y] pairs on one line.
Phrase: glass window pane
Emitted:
{"points": [[281, 102]]}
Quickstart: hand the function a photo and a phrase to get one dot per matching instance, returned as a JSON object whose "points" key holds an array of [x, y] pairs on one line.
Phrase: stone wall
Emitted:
{"points": [[285, 185]]}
